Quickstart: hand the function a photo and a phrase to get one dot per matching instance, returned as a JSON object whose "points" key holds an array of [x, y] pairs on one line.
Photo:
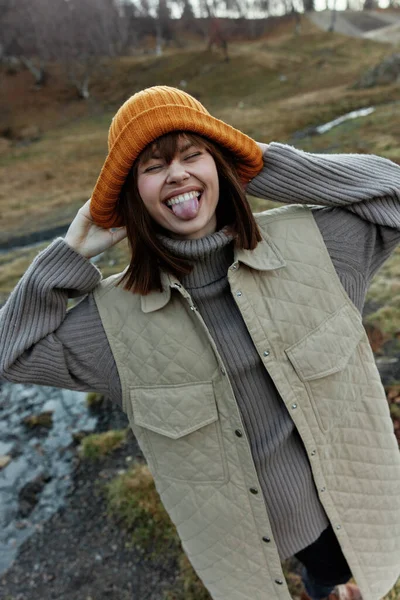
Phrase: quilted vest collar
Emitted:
{"points": [[265, 257]]}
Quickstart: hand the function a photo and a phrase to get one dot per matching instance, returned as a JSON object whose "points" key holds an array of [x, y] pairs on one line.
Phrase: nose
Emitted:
{"points": [[177, 172]]}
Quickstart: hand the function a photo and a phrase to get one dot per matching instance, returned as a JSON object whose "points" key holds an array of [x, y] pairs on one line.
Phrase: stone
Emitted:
{"points": [[385, 73], [44, 419], [50, 406], [16, 470], [4, 145], [28, 496], [4, 461], [31, 133], [6, 447]]}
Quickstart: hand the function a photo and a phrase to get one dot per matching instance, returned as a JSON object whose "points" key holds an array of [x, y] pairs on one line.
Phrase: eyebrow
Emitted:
{"points": [[183, 148], [186, 146]]}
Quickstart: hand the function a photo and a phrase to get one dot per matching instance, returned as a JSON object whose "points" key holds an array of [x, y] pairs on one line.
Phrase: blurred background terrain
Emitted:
{"points": [[79, 517]]}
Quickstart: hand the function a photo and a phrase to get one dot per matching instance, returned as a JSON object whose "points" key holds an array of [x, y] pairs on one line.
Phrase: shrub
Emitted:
{"points": [[96, 445], [188, 585], [133, 499], [93, 399]]}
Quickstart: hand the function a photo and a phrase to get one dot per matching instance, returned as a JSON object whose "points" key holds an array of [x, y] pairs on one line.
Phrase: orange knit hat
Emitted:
{"points": [[144, 117]]}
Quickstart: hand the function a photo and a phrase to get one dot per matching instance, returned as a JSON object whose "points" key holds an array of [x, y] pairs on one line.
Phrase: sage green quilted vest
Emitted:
{"points": [[182, 410]]}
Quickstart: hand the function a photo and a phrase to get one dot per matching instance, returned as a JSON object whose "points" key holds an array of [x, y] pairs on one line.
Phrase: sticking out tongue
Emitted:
{"points": [[186, 210]]}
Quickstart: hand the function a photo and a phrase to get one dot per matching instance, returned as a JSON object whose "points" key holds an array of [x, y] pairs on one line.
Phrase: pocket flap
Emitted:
{"points": [[328, 348], [174, 410]]}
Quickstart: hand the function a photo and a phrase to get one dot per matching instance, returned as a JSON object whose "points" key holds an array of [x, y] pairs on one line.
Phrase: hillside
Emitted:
{"points": [[272, 88]]}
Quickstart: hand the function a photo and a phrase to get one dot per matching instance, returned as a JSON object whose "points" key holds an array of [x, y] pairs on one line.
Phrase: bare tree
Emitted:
{"points": [[6, 34], [187, 11], [164, 31], [208, 8], [217, 36], [309, 5], [331, 27], [89, 30], [24, 27], [39, 37], [297, 19], [76, 33]]}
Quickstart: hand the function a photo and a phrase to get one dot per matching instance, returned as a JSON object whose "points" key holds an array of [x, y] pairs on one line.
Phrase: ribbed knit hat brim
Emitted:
{"points": [[146, 126]]}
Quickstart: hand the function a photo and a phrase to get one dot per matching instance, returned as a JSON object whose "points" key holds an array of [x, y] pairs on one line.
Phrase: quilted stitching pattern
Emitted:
{"points": [[171, 414], [174, 411], [328, 348], [324, 369]]}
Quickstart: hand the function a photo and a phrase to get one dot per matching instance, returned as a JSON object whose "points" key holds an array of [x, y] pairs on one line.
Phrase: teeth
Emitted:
{"points": [[182, 198]]}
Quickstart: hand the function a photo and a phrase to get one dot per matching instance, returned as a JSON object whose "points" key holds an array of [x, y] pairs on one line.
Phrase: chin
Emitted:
{"points": [[190, 230]]}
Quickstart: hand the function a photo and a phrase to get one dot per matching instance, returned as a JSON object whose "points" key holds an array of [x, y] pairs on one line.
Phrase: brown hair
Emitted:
{"points": [[148, 255]]}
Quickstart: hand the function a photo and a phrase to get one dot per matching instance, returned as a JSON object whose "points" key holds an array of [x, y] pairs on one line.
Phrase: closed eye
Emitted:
{"points": [[192, 155], [153, 168]]}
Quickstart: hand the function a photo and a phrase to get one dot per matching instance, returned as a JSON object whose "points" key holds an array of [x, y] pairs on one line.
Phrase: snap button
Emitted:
{"points": [[254, 490], [294, 405], [266, 352], [323, 489], [266, 539], [338, 527], [238, 433], [193, 308], [239, 293], [313, 452], [234, 266], [223, 371], [279, 581]]}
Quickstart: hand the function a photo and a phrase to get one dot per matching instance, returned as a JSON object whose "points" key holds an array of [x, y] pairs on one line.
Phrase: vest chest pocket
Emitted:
{"points": [[328, 361], [182, 431]]}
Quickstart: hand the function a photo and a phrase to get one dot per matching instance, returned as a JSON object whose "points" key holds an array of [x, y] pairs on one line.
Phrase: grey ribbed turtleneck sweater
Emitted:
{"points": [[281, 462]]}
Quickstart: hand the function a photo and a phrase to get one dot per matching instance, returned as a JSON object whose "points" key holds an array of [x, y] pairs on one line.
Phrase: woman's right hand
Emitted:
{"points": [[87, 238]]}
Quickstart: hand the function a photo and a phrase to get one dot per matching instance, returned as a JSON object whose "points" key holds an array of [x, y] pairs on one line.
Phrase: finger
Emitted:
{"points": [[85, 210], [118, 233], [87, 204]]}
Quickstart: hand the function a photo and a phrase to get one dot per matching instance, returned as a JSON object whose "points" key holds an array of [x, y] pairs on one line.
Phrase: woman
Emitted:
{"points": [[234, 344]]}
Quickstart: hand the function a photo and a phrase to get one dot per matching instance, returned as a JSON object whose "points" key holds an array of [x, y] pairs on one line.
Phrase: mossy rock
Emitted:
{"points": [[93, 399], [45, 419], [97, 445]]}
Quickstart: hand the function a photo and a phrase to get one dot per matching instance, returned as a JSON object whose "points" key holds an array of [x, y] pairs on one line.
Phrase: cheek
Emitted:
{"points": [[147, 193], [141, 187], [216, 184], [214, 175]]}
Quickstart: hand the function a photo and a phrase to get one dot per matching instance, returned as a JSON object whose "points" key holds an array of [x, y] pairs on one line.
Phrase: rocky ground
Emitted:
{"points": [[81, 553]]}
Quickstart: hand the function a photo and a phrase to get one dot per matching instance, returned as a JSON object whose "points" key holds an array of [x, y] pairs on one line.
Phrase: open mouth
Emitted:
{"points": [[185, 206]]}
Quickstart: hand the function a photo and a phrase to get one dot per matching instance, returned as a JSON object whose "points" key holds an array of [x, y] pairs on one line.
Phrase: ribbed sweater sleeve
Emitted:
{"points": [[43, 343], [355, 198]]}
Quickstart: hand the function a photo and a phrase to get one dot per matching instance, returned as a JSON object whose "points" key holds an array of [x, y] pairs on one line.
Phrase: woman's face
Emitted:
{"points": [[181, 196]]}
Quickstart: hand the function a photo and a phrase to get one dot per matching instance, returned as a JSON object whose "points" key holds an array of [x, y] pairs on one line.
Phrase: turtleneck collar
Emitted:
{"points": [[210, 256]]}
